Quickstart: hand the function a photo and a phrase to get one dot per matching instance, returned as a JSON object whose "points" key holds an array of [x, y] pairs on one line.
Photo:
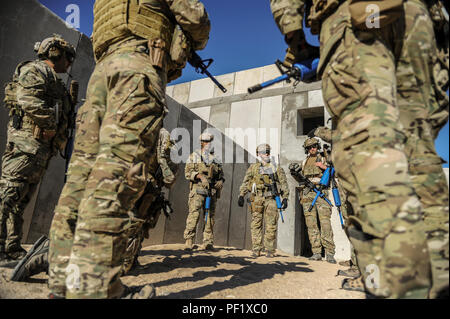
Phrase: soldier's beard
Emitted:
{"points": [[265, 159]]}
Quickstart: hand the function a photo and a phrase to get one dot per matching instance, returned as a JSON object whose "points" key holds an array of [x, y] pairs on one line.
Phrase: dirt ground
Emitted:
{"points": [[224, 273]]}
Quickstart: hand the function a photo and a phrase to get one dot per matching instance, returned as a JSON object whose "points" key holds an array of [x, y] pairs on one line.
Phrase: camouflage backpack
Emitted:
{"points": [[10, 100]]}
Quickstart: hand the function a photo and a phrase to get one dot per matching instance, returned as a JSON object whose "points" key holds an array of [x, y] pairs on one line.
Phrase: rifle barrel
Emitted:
{"points": [[220, 86]]}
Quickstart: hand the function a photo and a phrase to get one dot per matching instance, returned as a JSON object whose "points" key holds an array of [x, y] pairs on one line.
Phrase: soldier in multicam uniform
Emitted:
{"points": [[117, 131], [39, 107], [326, 134], [257, 181], [313, 167], [205, 175], [380, 83], [143, 217], [150, 205]]}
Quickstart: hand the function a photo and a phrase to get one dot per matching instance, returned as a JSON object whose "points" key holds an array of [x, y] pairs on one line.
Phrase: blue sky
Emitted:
{"points": [[243, 36]]}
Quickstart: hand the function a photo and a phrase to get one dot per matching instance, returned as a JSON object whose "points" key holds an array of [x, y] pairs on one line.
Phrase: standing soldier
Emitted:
{"points": [[257, 181], [117, 131], [150, 205], [378, 63], [205, 175], [143, 217], [326, 135], [313, 167], [39, 107]]}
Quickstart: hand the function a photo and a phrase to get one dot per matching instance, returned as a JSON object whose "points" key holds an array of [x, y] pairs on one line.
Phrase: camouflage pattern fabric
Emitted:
{"points": [[145, 215], [117, 131], [202, 163], [263, 210], [387, 119], [321, 210], [401, 150], [38, 93], [324, 133], [263, 205]]}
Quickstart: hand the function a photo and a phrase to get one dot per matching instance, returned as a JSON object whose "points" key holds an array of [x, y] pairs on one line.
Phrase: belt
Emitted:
{"points": [[141, 48]]}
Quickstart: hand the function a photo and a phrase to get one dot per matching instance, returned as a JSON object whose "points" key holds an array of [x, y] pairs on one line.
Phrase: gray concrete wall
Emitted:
{"points": [[275, 115], [232, 223], [24, 23]]}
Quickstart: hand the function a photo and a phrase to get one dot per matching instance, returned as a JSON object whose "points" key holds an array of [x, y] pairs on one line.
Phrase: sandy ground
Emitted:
{"points": [[224, 273]]}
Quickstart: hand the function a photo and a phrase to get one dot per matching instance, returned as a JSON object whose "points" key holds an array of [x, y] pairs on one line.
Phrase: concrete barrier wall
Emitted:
{"points": [[276, 115], [231, 221]]}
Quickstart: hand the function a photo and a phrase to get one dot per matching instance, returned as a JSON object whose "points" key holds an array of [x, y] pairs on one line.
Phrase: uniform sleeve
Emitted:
{"points": [[193, 18], [31, 97], [244, 189], [324, 133], [189, 170], [288, 14], [283, 182]]}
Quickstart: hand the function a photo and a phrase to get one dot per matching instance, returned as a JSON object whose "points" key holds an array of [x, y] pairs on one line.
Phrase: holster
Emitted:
{"points": [[157, 51], [43, 135]]}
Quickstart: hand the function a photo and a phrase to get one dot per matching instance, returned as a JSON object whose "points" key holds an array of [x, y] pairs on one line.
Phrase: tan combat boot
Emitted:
{"points": [[189, 243]]}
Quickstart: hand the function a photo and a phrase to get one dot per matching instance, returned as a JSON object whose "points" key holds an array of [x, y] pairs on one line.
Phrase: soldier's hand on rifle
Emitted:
{"points": [[204, 180], [284, 203], [294, 168], [241, 201], [321, 165], [218, 185], [299, 49]]}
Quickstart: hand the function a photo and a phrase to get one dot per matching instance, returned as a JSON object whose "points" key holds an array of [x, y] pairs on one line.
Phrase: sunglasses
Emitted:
{"points": [[312, 146]]}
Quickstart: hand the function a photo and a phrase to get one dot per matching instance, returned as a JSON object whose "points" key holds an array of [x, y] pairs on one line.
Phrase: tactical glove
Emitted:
{"points": [[203, 180], [284, 204], [299, 50], [218, 185], [294, 168], [241, 201]]}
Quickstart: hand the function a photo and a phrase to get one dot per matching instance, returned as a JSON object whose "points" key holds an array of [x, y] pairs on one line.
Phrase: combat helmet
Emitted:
{"points": [[206, 137], [263, 149], [310, 142], [53, 47]]}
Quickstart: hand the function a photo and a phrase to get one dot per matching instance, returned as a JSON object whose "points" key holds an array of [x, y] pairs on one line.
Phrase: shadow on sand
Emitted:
{"points": [[250, 271]]}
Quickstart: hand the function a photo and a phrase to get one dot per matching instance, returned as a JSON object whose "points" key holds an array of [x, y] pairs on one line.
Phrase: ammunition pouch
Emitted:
{"points": [[179, 54], [115, 20], [43, 135]]}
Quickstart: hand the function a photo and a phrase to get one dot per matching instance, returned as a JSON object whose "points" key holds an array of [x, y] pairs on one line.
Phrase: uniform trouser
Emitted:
{"points": [[379, 86], [21, 174], [136, 233], [324, 236], [196, 204], [117, 129], [264, 210]]}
